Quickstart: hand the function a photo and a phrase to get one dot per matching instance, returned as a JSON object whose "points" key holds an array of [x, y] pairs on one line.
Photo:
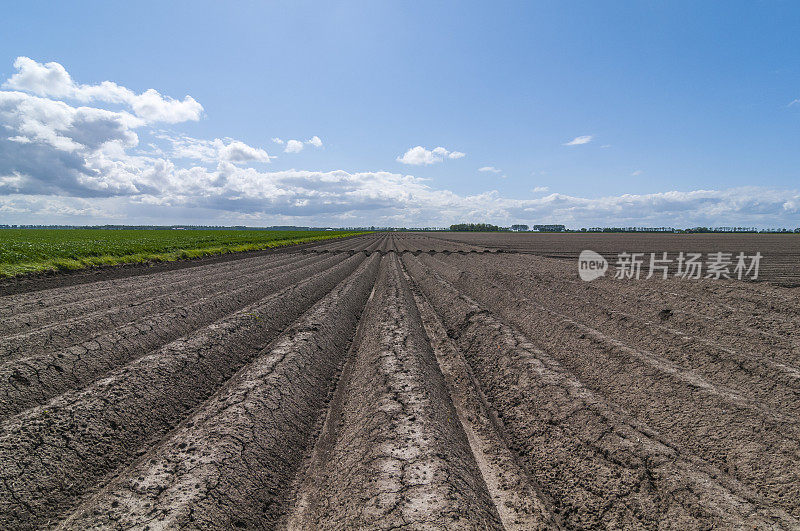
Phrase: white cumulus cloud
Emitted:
{"points": [[293, 146], [296, 146], [217, 150], [419, 156], [491, 169], [52, 80], [236, 151]]}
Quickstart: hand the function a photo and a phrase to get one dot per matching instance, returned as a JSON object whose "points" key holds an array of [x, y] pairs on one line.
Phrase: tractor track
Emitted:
{"points": [[397, 381]]}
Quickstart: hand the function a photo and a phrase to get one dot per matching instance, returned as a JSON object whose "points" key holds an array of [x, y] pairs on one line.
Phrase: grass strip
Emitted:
{"points": [[26, 251]]}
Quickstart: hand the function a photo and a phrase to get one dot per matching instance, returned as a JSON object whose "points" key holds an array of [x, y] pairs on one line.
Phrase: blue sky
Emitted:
{"points": [[688, 107]]}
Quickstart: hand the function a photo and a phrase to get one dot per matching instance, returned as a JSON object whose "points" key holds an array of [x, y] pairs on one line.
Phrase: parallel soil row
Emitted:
{"points": [[52, 455], [230, 463], [399, 380], [54, 361], [588, 392], [83, 301], [392, 453]]}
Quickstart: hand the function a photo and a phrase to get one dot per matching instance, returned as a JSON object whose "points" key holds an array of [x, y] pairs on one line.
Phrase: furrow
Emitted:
{"points": [[600, 466], [53, 455], [752, 442], [58, 296], [359, 243], [519, 501], [84, 326], [32, 380], [230, 464], [179, 286], [694, 303], [375, 245], [392, 453], [356, 243], [440, 243], [751, 373]]}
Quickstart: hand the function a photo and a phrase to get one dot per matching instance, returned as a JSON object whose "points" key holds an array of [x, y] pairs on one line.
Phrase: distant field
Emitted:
{"points": [[30, 250], [780, 263]]}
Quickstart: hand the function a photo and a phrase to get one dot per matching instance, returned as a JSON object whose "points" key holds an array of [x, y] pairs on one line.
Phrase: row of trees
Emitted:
{"points": [[477, 227], [488, 227], [738, 229]]}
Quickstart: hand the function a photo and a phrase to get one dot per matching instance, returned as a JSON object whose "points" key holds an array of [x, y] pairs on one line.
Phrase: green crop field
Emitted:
{"points": [[29, 250]]}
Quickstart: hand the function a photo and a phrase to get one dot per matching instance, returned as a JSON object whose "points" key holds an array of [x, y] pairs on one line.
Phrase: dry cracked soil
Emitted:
{"points": [[401, 381]]}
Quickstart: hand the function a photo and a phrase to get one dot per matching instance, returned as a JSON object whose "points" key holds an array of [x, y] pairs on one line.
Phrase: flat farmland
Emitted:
{"points": [[781, 252], [405, 380]]}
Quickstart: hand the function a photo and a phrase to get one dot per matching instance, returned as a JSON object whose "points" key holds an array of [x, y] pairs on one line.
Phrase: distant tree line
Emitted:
{"points": [[629, 229], [477, 227], [550, 228], [692, 230], [737, 229]]}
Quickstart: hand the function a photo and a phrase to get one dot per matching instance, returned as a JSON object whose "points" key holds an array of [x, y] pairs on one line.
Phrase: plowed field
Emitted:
{"points": [[398, 380]]}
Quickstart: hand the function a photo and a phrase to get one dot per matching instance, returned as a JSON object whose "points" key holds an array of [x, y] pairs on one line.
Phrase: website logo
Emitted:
{"points": [[591, 265]]}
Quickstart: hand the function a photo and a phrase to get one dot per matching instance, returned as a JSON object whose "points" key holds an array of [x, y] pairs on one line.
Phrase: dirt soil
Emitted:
{"points": [[402, 381]]}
